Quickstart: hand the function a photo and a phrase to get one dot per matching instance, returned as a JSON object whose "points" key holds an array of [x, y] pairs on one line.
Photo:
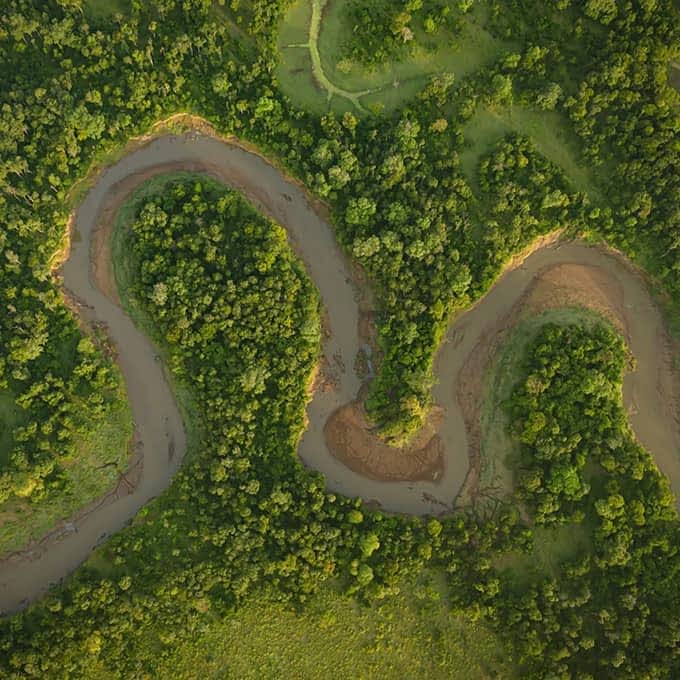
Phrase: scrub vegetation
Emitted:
{"points": [[433, 220], [412, 634]]}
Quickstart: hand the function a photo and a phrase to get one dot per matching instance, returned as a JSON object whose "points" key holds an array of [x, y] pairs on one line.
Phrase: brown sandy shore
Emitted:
{"points": [[424, 479]]}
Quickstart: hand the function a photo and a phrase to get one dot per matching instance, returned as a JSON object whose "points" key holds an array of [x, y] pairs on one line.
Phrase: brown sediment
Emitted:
{"points": [[353, 439], [575, 285]]}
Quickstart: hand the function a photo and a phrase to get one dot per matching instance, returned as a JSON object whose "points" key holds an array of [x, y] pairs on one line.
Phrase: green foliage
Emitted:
{"points": [[98, 455], [526, 196], [603, 613], [567, 412], [383, 30]]}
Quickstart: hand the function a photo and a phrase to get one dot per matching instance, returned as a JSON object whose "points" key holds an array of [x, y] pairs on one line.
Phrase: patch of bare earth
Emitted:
{"points": [[575, 285], [353, 439]]}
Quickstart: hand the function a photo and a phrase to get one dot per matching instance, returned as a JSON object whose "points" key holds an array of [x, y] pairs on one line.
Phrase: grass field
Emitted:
{"points": [[408, 636], [385, 88], [460, 55], [295, 28], [297, 82], [674, 75], [313, 90], [10, 417], [548, 130], [100, 455], [103, 9]]}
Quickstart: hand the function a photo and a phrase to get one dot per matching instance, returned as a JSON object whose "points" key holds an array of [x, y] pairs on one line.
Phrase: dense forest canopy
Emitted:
{"points": [[78, 83]]}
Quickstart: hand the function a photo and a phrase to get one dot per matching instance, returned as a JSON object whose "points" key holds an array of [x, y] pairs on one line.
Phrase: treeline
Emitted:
{"points": [[626, 114], [611, 613], [604, 65], [525, 196]]}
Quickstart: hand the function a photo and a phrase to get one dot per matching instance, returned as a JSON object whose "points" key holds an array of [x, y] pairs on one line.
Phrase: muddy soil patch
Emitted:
{"points": [[353, 439]]}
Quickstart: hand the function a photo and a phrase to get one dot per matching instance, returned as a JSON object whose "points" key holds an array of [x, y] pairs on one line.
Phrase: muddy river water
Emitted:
{"points": [[159, 430]]}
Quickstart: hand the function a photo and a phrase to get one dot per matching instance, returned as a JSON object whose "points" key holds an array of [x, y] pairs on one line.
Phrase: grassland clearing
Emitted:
{"points": [[410, 635], [552, 546], [674, 75], [290, 72], [442, 52], [10, 417], [316, 27], [548, 130]]}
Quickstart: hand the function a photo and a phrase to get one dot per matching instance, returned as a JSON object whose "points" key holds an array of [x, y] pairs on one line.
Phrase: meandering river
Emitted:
{"points": [[159, 429]]}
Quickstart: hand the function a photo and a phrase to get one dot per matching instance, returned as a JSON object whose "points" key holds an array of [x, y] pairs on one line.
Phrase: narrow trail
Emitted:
{"points": [[160, 433], [317, 67]]}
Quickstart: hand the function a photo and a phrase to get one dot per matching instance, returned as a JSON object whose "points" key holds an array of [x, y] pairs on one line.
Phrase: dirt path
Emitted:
{"points": [[649, 391], [318, 7]]}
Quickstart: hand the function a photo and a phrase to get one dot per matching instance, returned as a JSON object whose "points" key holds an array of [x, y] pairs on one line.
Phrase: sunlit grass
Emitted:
{"points": [[391, 84], [406, 636], [548, 131], [442, 52]]}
